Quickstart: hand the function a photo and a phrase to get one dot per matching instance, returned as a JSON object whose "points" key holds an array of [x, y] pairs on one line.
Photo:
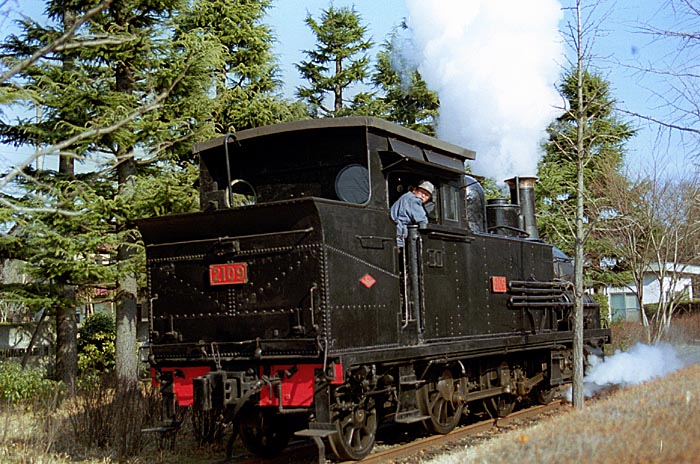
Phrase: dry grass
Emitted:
{"points": [[656, 422], [684, 329], [98, 426]]}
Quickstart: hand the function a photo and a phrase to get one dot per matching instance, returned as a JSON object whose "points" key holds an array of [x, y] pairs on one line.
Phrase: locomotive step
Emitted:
{"points": [[317, 432]]}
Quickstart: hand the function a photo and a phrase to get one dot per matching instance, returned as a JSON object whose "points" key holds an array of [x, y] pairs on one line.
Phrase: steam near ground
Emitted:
{"points": [[494, 66], [638, 364]]}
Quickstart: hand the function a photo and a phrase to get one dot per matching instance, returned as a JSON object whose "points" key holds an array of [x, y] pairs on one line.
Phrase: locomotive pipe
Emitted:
{"points": [[280, 407], [229, 194], [412, 244], [522, 193]]}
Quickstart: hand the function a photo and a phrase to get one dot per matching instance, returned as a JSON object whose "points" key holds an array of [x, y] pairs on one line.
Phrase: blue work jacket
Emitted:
{"points": [[406, 211]]}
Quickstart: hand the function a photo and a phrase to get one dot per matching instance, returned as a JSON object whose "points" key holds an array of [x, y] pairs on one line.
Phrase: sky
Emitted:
{"points": [[497, 95], [618, 48]]}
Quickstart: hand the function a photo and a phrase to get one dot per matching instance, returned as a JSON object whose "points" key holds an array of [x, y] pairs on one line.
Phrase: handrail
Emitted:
{"points": [[238, 237]]}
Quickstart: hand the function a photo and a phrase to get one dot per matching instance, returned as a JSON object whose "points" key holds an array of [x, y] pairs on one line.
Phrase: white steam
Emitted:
{"points": [[494, 65], [639, 364]]}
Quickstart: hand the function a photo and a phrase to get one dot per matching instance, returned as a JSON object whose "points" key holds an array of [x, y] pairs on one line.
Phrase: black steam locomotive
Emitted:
{"points": [[285, 305]]}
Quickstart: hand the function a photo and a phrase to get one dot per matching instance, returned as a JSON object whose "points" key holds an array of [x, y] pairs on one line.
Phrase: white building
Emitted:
{"points": [[686, 282]]}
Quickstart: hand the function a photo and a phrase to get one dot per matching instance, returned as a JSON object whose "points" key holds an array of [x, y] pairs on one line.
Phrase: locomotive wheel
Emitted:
{"points": [[500, 406], [357, 429], [437, 400], [263, 432]]}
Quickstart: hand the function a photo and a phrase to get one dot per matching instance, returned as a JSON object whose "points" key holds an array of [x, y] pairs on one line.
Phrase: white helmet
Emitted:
{"points": [[427, 186]]}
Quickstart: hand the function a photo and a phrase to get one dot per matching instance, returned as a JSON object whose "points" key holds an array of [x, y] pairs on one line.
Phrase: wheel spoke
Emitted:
{"points": [[435, 400], [356, 439], [441, 415], [356, 432], [500, 406]]}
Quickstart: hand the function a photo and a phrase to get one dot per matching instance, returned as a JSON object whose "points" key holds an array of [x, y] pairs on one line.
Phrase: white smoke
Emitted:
{"points": [[403, 57], [639, 364], [494, 65]]}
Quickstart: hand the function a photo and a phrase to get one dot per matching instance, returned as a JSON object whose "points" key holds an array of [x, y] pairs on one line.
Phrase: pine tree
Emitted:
{"points": [[406, 98], [246, 88], [338, 62], [556, 191]]}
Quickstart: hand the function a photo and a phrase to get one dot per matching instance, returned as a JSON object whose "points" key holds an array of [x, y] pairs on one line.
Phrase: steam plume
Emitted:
{"points": [[494, 65], [639, 364]]}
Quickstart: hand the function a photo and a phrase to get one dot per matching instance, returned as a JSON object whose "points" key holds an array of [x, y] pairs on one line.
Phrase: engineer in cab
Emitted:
{"points": [[409, 210]]}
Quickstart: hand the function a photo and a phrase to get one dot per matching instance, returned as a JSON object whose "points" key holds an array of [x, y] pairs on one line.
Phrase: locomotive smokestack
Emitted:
{"points": [[522, 192]]}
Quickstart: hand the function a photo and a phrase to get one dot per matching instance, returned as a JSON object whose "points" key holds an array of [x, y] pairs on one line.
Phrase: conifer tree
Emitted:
{"points": [[37, 227], [406, 99], [338, 62], [246, 88], [557, 171], [133, 94]]}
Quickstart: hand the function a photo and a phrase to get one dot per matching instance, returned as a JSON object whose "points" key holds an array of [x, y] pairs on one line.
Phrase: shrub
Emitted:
{"points": [[602, 301], [96, 352], [625, 334], [111, 417], [27, 385], [685, 328]]}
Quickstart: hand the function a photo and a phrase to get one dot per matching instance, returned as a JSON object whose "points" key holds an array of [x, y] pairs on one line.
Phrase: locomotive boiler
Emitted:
{"points": [[285, 306]]}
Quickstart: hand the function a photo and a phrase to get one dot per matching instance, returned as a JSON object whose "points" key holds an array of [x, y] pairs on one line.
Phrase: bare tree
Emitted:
{"points": [[657, 228], [673, 79], [574, 136]]}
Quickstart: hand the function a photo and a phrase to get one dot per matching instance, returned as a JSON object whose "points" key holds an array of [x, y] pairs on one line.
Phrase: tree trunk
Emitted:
{"points": [[338, 90], [66, 324], [32, 342], [125, 349], [125, 344], [578, 399], [577, 394], [67, 341]]}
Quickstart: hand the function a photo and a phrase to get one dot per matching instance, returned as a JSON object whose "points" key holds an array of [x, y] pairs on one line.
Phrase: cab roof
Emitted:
{"points": [[401, 136]]}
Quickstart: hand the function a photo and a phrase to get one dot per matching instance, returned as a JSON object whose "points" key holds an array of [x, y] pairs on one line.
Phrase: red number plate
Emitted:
{"points": [[227, 274]]}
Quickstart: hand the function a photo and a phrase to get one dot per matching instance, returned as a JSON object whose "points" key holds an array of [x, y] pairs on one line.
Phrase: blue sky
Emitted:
{"points": [[620, 42], [287, 19]]}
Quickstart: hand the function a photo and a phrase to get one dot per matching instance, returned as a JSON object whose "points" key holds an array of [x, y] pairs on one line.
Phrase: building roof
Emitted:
{"points": [[681, 268]]}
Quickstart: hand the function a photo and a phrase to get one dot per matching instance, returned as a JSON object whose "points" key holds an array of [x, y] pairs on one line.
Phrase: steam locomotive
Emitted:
{"points": [[285, 306]]}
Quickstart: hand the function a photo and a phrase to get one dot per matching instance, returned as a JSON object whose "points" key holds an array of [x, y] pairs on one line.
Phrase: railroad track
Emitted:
{"points": [[437, 441], [305, 452]]}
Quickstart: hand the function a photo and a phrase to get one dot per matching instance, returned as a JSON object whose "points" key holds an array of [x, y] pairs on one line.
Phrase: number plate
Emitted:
{"points": [[228, 274]]}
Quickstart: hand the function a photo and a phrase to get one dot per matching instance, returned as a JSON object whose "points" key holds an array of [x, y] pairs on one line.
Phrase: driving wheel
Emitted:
{"points": [[500, 406], [357, 429], [438, 400]]}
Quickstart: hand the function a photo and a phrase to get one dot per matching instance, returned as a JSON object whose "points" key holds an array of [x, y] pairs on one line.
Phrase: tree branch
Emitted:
{"points": [[61, 41]]}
